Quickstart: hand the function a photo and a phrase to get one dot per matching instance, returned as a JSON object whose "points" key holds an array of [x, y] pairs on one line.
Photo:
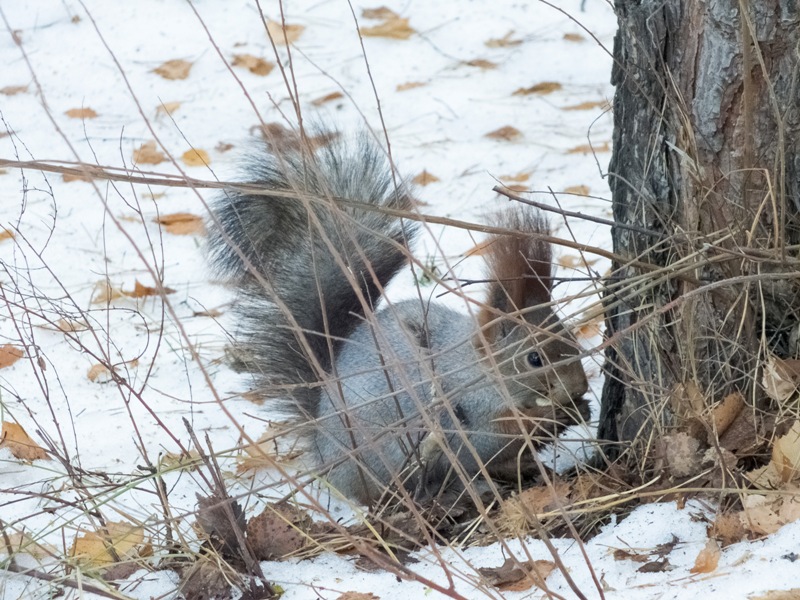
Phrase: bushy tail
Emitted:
{"points": [[294, 248]]}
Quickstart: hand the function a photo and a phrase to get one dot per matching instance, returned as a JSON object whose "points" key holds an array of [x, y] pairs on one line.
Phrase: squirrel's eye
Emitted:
{"points": [[534, 359]]}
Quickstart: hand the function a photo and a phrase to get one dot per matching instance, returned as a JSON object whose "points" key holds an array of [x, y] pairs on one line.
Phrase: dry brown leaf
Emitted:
{"points": [[409, 86], [181, 461], [174, 69], [517, 511], [591, 328], [328, 98], [425, 178], [587, 105], [81, 113], [23, 542], [625, 554], [283, 35], [358, 596], [13, 90], [223, 147], [254, 64], [574, 37], [142, 291], [781, 378], [148, 154], [104, 293], [181, 223], [578, 190], [71, 325], [517, 576], [70, 177], [543, 88], [793, 594], [20, 444], [196, 158], [682, 454], [786, 454], [167, 108], [10, 354], [728, 529], [576, 261], [761, 514], [507, 133], [99, 374], [222, 519], [381, 13], [503, 42], [708, 558], [481, 63], [98, 549], [590, 149], [278, 531], [6, 234], [726, 412], [395, 27], [518, 178]]}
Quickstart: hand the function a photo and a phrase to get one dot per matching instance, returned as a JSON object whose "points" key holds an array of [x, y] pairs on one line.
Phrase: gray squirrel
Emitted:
{"points": [[414, 395]]}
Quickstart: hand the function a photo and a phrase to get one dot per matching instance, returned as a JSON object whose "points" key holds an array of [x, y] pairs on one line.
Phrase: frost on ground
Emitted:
{"points": [[112, 375]]}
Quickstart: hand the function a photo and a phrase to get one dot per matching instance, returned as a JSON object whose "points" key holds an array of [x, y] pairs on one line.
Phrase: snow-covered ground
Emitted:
{"points": [[90, 82]]}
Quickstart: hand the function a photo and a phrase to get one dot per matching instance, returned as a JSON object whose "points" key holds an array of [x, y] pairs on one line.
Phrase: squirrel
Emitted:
{"points": [[415, 394]]}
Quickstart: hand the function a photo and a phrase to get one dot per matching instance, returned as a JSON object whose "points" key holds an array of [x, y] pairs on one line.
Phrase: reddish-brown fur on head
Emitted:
{"points": [[520, 267]]}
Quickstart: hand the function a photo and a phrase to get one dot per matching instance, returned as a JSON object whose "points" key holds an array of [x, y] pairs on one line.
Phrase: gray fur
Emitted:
{"points": [[416, 396]]}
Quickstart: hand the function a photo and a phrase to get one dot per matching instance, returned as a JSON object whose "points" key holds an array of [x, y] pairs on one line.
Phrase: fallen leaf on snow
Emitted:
{"points": [[575, 261], [20, 444], [578, 190], [148, 154], [141, 291], [587, 105], [277, 532], [81, 113], [708, 558], [517, 576], [503, 42], [13, 90], [543, 88], [9, 354], [358, 596], [425, 178], [167, 108], [481, 63], [283, 35], [573, 37], [327, 98], [793, 594], [507, 133], [196, 158], [590, 149], [222, 519], [6, 234], [409, 86], [254, 64], [98, 548], [181, 223], [99, 373], [395, 27], [174, 69], [381, 13]]}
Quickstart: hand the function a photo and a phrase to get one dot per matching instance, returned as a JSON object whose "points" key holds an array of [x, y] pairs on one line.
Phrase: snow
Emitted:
{"points": [[73, 237]]}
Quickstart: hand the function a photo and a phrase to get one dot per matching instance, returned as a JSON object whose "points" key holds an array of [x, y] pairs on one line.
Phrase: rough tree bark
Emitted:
{"points": [[707, 160]]}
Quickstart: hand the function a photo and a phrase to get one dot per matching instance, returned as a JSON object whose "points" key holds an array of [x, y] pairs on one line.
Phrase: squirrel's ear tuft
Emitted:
{"points": [[520, 267]]}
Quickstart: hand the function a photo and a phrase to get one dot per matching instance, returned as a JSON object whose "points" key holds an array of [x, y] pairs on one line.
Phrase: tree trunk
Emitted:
{"points": [[705, 180]]}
